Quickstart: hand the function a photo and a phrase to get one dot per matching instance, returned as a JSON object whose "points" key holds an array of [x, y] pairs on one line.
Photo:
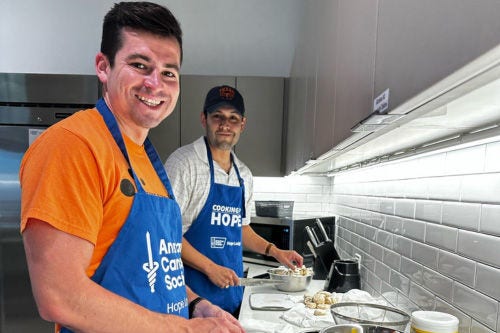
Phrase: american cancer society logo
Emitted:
{"points": [[217, 242]]}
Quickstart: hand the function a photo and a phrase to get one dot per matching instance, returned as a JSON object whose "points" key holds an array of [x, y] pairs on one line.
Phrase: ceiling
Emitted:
{"points": [[221, 37]]}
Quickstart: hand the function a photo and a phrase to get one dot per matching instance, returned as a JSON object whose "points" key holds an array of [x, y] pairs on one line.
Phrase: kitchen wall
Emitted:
{"points": [[311, 195], [427, 228], [63, 36]]}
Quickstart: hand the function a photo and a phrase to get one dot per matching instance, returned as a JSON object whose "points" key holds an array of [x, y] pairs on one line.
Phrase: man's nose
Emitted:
{"points": [[153, 80]]}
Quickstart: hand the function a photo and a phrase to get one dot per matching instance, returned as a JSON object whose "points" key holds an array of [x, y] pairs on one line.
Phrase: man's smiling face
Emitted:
{"points": [[142, 87]]}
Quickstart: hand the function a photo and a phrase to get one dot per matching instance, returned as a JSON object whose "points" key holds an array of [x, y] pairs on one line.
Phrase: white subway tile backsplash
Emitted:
{"points": [[376, 251], [490, 219], [402, 246], [405, 304], [393, 224], [465, 161], [412, 270], [374, 281], [441, 236], [457, 267], [461, 215], [425, 254], [480, 247], [392, 259], [413, 229], [427, 210], [422, 297], [464, 321], [378, 220], [371, 233], [384, 239], [477, 305], [428, 228], [476, 327], [394, 189], [387, 206], [438, 284], [444, 188], [405, 208], [432, 165], [492, 162], [382, 271], [481, 188], [416, 188], [488, 281], [400, 282]]}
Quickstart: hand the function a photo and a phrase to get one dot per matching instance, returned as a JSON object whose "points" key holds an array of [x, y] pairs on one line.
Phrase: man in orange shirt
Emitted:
{"points": [[101, 228]]}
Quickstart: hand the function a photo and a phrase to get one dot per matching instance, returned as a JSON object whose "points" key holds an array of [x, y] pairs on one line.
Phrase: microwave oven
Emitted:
{"points": [[286, 233]]}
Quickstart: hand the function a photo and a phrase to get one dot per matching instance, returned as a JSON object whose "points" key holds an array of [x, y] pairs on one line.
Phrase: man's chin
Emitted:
{"points": [[224, 145]]}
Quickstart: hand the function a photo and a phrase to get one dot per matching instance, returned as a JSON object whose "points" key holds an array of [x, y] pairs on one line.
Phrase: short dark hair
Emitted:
{"points": [[144, 16]]}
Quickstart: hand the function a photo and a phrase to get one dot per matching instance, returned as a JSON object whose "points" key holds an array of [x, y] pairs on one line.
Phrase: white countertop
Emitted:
{"points": [[247, 312]]}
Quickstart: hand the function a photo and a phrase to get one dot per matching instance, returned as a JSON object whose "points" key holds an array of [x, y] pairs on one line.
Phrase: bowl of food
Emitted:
{"points": [[297, 279], [370, 314]]}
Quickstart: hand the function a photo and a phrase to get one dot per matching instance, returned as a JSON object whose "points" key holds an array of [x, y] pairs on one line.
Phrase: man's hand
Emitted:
{"points": [[227, 323], [222, 277], [288, 258]]}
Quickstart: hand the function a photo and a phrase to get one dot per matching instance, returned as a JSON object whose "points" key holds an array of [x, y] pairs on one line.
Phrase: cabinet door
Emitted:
{"points": [[194, 89], [260, 145], [301, 105], [166, 136], [421, 42], [355, 55], [326, 36]]}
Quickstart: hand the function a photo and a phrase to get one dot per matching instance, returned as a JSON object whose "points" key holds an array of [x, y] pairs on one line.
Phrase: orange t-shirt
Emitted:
{"points": [[75, 178]]}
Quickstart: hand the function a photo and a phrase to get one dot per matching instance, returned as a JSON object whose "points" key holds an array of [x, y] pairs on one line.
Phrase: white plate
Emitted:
{"points": [[271, 301]]}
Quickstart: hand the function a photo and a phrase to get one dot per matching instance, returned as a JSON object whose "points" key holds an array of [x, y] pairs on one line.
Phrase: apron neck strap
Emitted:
{"points": [[112, 125], [212, 176]]}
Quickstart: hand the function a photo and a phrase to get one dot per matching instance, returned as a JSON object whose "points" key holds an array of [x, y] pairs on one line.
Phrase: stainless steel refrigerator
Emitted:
{"points": [[29, 103]]}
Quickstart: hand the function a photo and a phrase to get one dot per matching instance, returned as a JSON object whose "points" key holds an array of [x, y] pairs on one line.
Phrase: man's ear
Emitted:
{"points": [[243, 123], [203, 119], [102, 67]]}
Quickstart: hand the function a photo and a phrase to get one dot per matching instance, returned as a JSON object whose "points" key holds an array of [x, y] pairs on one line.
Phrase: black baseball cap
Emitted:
{"points": [[224, 96]]}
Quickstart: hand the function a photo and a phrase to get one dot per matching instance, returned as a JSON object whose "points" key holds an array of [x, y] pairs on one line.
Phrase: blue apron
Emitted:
{"points": [[144, 262], [216, 233]]}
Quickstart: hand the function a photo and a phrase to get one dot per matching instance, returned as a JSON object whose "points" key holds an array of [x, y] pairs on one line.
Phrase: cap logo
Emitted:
{"points": [[226, 93]]}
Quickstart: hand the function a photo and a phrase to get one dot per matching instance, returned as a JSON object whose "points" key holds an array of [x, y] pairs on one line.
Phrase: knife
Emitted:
{"points": [[322, 229], [311, 248], [312, 238], [249, 282]]}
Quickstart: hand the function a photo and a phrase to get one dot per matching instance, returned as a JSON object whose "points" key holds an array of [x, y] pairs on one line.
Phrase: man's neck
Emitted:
{"points": [[222, 157]]}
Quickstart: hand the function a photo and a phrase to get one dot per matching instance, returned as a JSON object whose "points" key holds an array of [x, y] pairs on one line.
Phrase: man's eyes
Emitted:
{"points": [[138, 65], [232, 120], [169, 74], [145, 68]]}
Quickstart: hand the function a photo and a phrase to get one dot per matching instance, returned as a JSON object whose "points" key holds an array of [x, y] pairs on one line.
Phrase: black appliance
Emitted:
{"points": [[29, 103], [287, 233], [343, 276]]}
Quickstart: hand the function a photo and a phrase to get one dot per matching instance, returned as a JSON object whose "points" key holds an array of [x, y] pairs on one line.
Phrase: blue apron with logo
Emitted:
{"points": [[144, 263], [216, 233]]}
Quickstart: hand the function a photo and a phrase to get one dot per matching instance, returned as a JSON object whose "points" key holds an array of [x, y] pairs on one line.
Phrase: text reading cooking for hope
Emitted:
{"points": [[226, 215]]}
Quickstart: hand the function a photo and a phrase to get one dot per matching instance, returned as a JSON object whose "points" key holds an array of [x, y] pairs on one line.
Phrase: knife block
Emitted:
{"points": [[325, 255]]}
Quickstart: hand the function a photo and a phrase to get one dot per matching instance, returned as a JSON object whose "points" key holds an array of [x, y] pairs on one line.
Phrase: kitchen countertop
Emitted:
{"points": [[247, 312]]}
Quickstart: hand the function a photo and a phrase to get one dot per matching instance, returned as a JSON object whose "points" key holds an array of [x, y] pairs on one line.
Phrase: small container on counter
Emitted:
{"points": [[433, 322]]}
